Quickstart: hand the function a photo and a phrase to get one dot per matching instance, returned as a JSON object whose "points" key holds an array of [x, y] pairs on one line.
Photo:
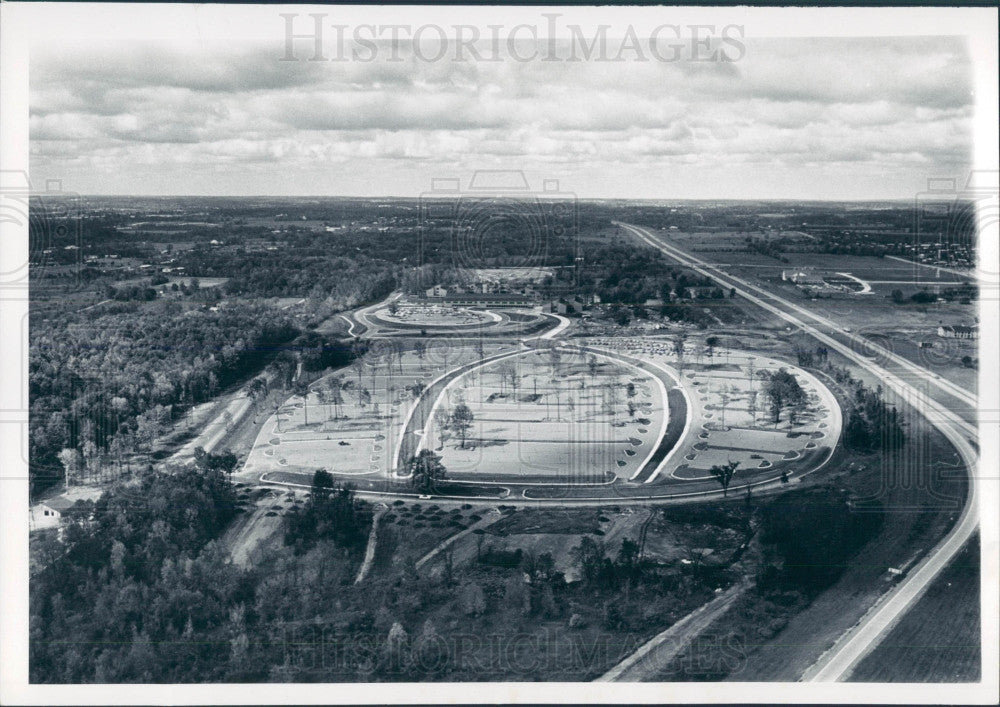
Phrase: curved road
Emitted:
{"points": [[838, 662], [787, 309]]}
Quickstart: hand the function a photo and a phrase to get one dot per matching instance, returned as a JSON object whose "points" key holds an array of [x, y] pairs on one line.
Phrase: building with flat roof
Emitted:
{"points": [[958, 331]]}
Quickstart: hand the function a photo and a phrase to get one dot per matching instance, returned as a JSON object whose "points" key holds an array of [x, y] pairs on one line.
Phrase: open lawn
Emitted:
{"points": [[732, 420], [563, 419], [352, 428]]}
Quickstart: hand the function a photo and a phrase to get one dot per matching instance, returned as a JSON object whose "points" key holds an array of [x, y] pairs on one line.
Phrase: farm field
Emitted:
{"points": [[900, 327], [938, 639]]}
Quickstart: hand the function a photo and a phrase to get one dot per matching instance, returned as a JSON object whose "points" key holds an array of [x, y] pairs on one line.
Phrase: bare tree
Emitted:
{"points": [[442, 418]]}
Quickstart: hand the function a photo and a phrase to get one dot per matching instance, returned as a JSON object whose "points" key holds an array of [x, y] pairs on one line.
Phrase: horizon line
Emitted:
{"points": [[924, 195]]}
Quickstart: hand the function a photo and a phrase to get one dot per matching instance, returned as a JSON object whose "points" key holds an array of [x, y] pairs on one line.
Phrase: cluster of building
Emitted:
{"points": [[958, 331], [499, 287], [943, 254]]}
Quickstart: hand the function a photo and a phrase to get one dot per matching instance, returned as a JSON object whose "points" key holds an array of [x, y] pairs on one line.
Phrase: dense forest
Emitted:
{"points": [[143, 590], [112, 384]]}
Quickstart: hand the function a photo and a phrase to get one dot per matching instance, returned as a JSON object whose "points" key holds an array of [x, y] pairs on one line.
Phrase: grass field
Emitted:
{"points": [[938, 640], [356, 437], [561, 420], [899, 327], [730, 411]]}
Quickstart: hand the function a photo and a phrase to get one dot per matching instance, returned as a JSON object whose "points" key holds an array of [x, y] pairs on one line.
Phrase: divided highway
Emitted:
{"points": [[838, 662]]}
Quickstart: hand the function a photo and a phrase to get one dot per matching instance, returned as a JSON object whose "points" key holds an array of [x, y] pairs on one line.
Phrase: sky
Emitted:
{"points": [[791, 118]]}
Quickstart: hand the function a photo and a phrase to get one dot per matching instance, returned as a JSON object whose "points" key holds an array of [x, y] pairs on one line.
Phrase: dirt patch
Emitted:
{"points": [[253, 530], [555, 521]]}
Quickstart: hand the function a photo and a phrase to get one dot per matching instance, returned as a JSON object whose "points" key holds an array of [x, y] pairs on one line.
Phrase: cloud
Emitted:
{"points": [[894, 104]]}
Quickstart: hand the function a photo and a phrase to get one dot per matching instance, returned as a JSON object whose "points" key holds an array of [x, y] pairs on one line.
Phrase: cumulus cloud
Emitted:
{"points": [[123, 115]]}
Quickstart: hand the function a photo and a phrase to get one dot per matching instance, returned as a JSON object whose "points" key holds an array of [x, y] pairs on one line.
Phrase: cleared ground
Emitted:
{"points": [[732, 419], [356, 436], [433, 315], [563, 419]]}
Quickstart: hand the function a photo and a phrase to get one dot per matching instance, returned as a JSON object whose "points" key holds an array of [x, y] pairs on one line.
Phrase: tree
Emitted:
{"points": [[555, 358], [783, 389], [224, 462], [358, 365], [589, 557], [507, 372], [679, 347], [302, 390], [441, 420], [724, 473], [724, 403], [629, 553], [461, 421], [426, 470], [335, 385], [71, 461], [322, 486], [471, 600], [257, 391], [711, 342]]}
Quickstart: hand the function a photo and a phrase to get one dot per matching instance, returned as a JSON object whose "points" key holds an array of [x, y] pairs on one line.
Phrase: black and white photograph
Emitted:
{"points": [[631, 354]]}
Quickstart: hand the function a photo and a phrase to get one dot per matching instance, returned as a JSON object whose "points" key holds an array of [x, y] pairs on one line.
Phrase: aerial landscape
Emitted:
{"points": [[649, 422], [434, 372]]}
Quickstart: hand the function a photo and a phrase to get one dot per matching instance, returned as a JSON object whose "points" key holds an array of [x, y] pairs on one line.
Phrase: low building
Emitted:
{"points": [[48, 514], [805, 276], [497, 299], [437, 292], [958, 331]]}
